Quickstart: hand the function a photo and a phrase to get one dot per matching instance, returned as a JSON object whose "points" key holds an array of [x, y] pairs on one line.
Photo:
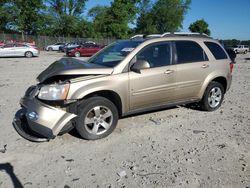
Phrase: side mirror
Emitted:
{"points": [[140, 65]]}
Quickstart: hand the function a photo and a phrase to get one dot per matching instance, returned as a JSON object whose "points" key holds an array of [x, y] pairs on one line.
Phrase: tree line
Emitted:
{"points": [[69, 18]]}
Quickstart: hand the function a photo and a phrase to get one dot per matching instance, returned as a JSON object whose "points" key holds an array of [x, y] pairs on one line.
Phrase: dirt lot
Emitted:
{"points": [[177, 147]]}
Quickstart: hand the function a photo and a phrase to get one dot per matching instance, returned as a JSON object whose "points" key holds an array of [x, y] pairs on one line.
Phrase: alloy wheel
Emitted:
{"points": [[98, 120], [214, 97]]}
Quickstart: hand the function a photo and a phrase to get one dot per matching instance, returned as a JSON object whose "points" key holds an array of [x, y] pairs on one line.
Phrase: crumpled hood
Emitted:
{"points": [[71, 66]]}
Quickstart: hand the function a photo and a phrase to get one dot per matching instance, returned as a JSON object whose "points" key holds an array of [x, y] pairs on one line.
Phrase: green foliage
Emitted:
{"points": [[66, 18], [113, 21], [200, 26], [98, 15], [23, 16], [4, 15], [164, 16], [234, 42], [69, 7]]}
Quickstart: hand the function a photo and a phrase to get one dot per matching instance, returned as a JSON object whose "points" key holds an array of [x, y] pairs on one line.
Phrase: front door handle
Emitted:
{"points": [[205, 66], [168, 71]]}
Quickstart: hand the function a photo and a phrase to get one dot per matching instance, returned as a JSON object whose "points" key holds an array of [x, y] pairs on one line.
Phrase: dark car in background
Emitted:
{"points": [[69, 46], [87, 49]]}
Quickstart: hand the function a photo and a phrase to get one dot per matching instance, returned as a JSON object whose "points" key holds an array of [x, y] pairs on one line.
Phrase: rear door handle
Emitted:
{"points": [[168, 71], [205, 66]]}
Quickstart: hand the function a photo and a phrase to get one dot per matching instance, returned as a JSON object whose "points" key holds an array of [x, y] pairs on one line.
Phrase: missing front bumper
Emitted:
{"points": [[21, 126], [40, 122]]}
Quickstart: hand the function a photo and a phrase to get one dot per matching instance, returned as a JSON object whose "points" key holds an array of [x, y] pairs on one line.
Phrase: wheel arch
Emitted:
{"points": [[28, 52], [110, 95], [220, 79]]}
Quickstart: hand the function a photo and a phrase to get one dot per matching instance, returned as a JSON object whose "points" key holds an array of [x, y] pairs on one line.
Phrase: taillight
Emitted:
{"points": [[231, 67]]}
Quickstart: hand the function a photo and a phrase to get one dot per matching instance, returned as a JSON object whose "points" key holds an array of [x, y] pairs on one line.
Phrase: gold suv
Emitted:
{"points": [[127, 77]]}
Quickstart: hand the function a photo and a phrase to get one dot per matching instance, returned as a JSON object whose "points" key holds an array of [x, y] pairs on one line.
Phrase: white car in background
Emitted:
{"points": [[18, 50], [54, 47], [241, 49]]}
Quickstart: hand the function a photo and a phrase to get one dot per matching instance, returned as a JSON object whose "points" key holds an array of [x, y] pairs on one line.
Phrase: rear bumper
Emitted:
{"points": [[38, 121]]}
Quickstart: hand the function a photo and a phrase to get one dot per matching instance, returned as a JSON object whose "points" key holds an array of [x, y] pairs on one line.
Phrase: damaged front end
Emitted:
{"points": [[40, 121], [46, 109]]}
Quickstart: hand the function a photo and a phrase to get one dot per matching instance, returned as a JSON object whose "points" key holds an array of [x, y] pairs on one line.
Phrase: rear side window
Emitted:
{"points": [[189, 52], [216, 50]]}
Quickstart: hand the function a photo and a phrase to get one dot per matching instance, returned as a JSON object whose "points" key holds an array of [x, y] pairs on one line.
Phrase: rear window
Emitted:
{"points": [[189, 52], [216, 50]]}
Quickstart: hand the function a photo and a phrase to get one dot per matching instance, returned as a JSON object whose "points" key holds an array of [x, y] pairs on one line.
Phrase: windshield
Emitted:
{"points": [[114, 53]]}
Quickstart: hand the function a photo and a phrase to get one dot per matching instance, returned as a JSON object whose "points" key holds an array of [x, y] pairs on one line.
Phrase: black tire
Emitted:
{"points": [[50, 49], [28, 54], [245, 52], [210, 101], [88, 110]]}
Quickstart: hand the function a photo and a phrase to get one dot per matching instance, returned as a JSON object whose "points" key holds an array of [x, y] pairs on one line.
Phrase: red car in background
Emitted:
{"points": [[2, 43], [84, 50]]}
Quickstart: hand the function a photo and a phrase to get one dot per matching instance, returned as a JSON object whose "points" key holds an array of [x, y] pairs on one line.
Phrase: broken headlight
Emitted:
{"points": [[54, 92]]}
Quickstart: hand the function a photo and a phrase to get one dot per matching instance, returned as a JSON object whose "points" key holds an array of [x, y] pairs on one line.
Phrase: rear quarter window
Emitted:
{"points": [[216, 50], [189, 52]]}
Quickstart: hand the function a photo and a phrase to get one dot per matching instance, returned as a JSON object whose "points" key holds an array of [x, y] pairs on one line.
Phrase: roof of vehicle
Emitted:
{"points": [[170, 35]]}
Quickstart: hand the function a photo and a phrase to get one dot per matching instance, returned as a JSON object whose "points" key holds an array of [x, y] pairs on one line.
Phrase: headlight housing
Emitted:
{"points": [[54, 92]]}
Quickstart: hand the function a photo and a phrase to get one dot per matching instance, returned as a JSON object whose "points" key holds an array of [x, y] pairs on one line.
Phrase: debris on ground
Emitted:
{"points": [[4, 149], [156, 122], [70, 160], [122, 173], [221, 146], [198, 131]]}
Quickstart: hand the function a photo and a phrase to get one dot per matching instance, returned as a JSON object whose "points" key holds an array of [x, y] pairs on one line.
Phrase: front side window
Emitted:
{"points": [[216, 50], [156, 55], [189, 52]]}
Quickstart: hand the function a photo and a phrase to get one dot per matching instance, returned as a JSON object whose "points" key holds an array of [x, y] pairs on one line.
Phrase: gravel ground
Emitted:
{"points": [[177, 147]]}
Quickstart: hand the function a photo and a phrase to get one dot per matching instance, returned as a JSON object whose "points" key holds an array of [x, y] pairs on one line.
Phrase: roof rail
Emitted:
{"points": [[170, 34], [185, 34], [137, 36], [153, 36]]}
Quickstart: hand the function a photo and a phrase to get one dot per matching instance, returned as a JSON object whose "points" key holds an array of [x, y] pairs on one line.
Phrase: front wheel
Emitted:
{"points": [[97, 118], [28, 54], [77, 54], [213, 97]]}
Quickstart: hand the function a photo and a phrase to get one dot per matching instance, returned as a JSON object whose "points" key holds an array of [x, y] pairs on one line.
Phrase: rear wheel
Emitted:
{"points": [[97, 119], [28, 54], [77, 54], [245, 52], [213, 97], [50, 49]]}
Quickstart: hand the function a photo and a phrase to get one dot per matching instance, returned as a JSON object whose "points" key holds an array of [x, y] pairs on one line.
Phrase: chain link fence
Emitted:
{"points": [[43, 41]]}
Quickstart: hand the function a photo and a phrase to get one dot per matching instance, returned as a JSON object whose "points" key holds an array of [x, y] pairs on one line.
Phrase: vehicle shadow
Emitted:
{"points": [[247, 58], [8, 168], [192, 106]]}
